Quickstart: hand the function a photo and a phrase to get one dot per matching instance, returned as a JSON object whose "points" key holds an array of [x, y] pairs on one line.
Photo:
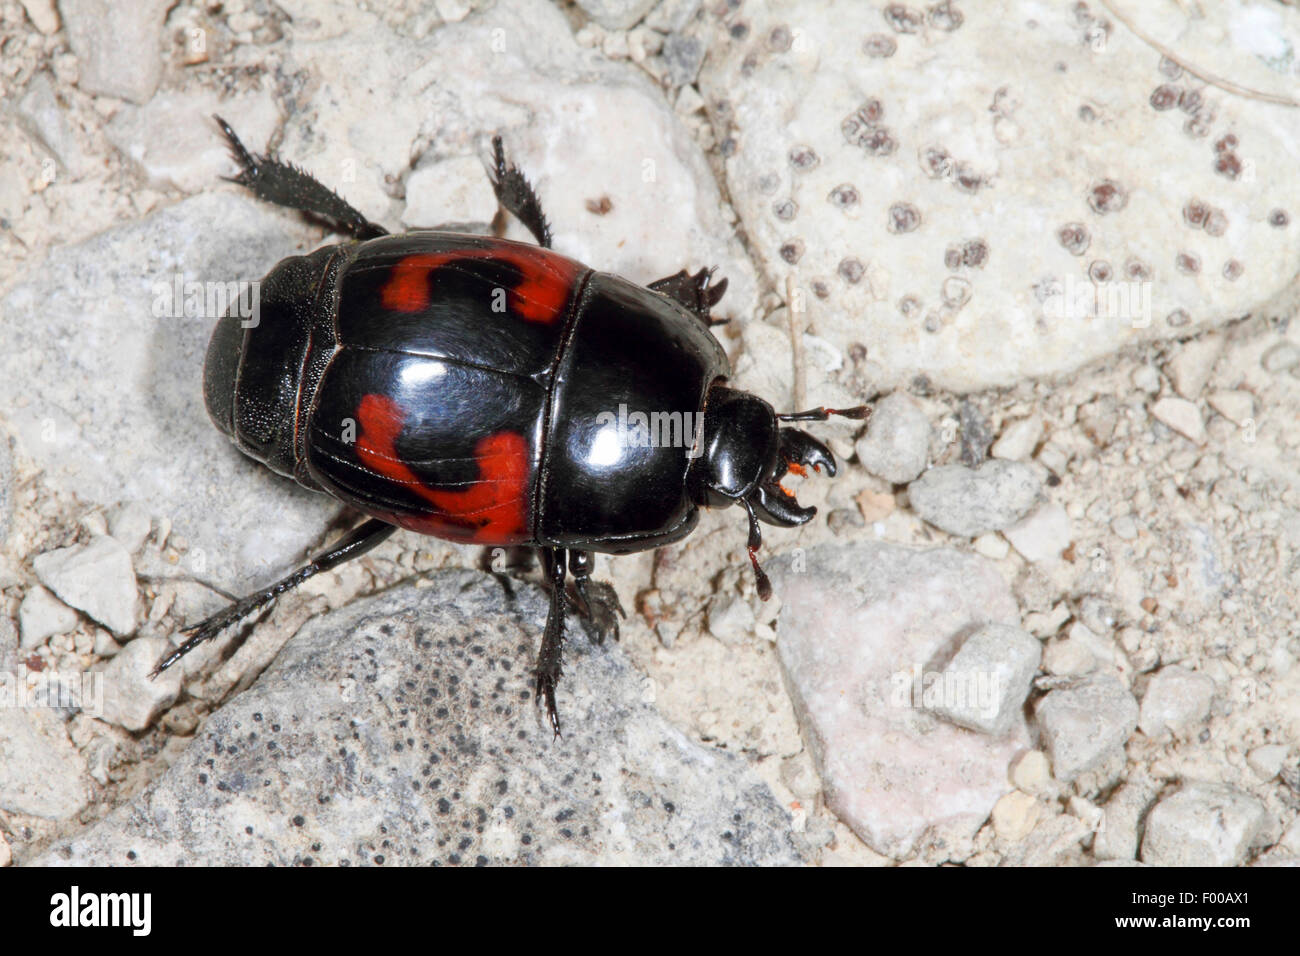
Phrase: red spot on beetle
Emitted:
{"points": [[539, 295], [492, 510]]}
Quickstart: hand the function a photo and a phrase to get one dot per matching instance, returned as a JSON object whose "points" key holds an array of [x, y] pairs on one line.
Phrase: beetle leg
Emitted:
{"points": [[353, 545], [286, 185], [694, 292], [550, 659], [516, 195], [600, 600]]}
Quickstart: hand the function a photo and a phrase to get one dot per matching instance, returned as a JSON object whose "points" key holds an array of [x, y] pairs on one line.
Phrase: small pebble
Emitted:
{"points": [[897, 442], [1176, 699], [1281, 357], [1043, 535], [1203, 824], [1182, 416], [973, 501], [41, 616], [1084, 722]]}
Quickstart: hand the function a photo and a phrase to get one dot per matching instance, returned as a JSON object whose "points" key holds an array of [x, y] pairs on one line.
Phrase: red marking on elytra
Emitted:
{"points": [[494, 510], [544, 286]]}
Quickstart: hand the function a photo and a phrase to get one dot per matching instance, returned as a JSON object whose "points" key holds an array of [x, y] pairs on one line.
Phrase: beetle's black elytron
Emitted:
{"points": [[465, 387]]}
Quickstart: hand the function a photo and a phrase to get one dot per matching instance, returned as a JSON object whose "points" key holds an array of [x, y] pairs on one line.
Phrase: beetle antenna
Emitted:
{"points": [[755, 542], [821, 414]]}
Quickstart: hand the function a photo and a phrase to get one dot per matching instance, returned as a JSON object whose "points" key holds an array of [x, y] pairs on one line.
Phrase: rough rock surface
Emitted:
{"points": [[402, 730], [1203, 824], [958, 194], [105, 419], [41, 773], [861, 627]]}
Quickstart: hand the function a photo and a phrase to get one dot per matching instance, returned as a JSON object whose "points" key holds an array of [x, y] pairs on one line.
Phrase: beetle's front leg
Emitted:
{"points": [[550, 659], [600, 600]]}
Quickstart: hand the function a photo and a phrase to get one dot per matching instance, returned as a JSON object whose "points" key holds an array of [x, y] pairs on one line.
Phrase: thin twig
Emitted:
{"points": [[792, 300]]}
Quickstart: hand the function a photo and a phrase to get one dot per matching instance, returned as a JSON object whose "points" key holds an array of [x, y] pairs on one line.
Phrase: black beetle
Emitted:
{"points": [[479, 390]]}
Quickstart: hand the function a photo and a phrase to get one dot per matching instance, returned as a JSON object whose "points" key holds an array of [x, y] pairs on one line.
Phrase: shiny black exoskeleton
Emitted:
{"points": [[493, 392]]}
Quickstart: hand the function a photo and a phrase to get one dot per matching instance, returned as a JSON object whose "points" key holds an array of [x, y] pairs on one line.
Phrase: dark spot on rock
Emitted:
{"points": [[768, 183], [1195, 213], [600, 207], [944, 16], [803, 157], [299, 820], [967, 180], [844, 195], [879, 45], [1074, 237], [1107, 196], [903, 217], [379, 858], [932, 323], [935, 161], [1225, 143], [1170, 68], [1188, 262], [779, 39], [1135, 268], [792, 251], [1232, 270], [1216, 223], [1189, 100], [820, 288], [974, 253], [1100, 271], [1164, 97], [1227, 164], [857, 352], [1279, 219], [903, 19], [727, 147], [909, 305], [1087, 113], [1199, 123], [739, 31], [851, 270], [1178, 318], [952, 257], [785, 209], [879, 142]]}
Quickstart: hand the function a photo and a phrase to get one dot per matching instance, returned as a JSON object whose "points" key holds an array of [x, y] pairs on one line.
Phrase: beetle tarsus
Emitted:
{"points": [[516, 195], [286, 185], [694, 292]]}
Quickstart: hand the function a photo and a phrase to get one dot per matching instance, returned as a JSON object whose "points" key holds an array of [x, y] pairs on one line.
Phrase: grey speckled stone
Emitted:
{"points": [[404, 727]]}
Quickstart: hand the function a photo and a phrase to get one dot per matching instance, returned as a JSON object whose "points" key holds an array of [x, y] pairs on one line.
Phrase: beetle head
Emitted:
{"points": [[745, 453]]}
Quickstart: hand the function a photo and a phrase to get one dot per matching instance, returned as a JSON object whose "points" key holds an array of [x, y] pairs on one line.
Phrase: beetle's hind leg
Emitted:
{"points": [[516, 195], [286, 185], [601, 604], [353, 545], [694, 292]]}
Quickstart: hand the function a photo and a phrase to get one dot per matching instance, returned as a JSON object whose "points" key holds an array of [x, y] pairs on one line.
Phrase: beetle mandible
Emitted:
{"points": [[464, 386]]}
